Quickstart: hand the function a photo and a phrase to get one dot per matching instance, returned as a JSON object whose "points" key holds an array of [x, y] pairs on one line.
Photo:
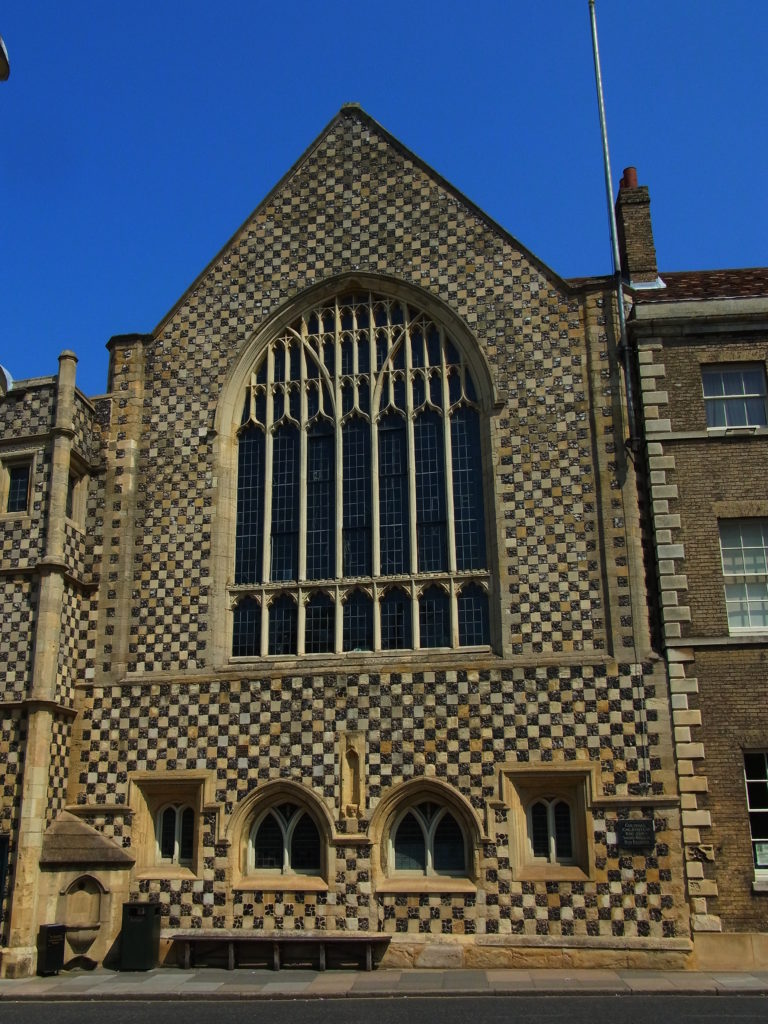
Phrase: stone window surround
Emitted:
{"points": [[227, 422], [17, 457], [149, 794], [575, 784]]}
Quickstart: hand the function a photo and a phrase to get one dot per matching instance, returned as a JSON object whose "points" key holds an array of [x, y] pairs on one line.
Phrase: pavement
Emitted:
{"points": [[170, 983]]}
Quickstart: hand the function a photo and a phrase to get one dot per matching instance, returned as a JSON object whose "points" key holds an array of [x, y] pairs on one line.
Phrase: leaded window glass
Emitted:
{"points": [[359, 465], [395, 620], [473, 616], [286, 840], [428, 840]]}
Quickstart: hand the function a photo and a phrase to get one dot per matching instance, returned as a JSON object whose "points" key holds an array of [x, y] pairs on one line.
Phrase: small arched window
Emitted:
{"points": [[286, 840], [175, 834], [359, 460], [550, 832], [427, 840]]}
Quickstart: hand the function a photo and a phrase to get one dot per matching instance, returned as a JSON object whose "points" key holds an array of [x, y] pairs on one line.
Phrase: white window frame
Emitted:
{"points": [[176, 857], [716, 401], [742, 589], [550, 803], [761, 872], [287, 831], [428, 830]]}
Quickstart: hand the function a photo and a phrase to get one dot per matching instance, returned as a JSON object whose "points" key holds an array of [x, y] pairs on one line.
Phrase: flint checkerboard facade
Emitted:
{"points": [[120, 691]]}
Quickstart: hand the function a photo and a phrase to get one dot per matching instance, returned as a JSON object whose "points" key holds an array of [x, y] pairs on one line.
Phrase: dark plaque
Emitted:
{"points": [[636, 833]]}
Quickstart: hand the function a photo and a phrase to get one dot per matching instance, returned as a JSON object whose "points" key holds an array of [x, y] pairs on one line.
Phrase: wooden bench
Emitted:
{"points": [[276, 942]]}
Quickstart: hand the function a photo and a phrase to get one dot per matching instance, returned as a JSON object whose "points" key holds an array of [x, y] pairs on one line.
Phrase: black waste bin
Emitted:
{"points": [[140, 937], [50, 948]]}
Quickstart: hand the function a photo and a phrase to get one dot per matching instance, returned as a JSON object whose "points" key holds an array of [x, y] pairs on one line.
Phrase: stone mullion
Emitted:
{"points": [[373, 379], [376, 618], [338, 451], [264, 638], [303, 443], [454, 604], [268, 443], [411, 451], [448, 457]]}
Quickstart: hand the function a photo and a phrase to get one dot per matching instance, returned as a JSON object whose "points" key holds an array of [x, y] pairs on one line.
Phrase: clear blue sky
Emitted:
{"points": [[136, 137]]}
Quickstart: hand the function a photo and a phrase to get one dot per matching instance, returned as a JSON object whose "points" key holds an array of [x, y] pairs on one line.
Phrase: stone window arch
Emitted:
{"points": [[359, 467]]}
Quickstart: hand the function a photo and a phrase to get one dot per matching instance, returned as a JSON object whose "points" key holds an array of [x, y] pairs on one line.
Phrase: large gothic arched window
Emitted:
{"points": [[360, 515]]}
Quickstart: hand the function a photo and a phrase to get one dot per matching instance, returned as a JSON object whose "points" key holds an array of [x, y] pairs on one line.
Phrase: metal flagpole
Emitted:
{"points": [[623, 349]]}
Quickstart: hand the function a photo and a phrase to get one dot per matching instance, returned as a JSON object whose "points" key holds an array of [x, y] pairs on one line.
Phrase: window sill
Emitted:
{"points": [[16, 516], [760, 883], [281, 883], [171, 871], [441, 884], [551, 873]]}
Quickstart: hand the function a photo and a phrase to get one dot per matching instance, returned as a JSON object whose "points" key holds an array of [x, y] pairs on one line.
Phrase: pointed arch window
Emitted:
{"points": [[428, 840], [360, 477], [286, 840]]}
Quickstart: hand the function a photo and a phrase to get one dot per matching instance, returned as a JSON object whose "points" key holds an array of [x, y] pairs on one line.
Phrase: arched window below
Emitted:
{"points": [[175, 834], [286, 840], [428, 840]]}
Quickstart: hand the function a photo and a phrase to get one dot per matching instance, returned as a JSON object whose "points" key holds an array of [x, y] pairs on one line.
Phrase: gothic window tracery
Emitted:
{"points": [[360, 519]]}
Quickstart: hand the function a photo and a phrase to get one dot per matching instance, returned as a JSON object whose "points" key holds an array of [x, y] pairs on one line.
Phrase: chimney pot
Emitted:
{"points": [[630, 178]]}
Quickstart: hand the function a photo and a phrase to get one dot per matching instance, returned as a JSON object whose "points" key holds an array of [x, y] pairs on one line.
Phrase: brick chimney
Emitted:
{"points": [[633, 221]]}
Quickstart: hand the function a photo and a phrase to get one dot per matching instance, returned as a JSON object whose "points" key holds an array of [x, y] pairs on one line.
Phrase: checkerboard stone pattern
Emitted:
{"points": [[18, 611], [88, 436], [78, 633], [359, 202], [12, 738], [22, 536], [28, 411], [460, 726], [59, 771]]}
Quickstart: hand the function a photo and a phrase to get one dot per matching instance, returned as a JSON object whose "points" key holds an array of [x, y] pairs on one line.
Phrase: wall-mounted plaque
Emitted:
{"points": [[636, 833]]}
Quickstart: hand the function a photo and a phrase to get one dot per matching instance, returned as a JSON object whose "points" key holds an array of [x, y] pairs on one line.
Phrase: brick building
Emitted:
{"points": [[330, 617], [702, 344]]}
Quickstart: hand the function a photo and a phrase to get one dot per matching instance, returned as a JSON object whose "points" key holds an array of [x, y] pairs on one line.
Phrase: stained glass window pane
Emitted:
{"points": [[18, 488], [285, 504], [448, 847], [320, 504], [305, 845], [268, 845], [282, 626], [168, 834], [396, 621], [250, 507], [469, 520], [430, 492], [358, 622], [434, 618], [393, 496], [356, 524], [246, 638], [472, 607], [319, 620], [563, 842], [539, 830], [187, 837]]}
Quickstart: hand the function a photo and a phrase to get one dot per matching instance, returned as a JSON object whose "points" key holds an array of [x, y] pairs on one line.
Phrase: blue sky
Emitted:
{"points": [[136, 137]]}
